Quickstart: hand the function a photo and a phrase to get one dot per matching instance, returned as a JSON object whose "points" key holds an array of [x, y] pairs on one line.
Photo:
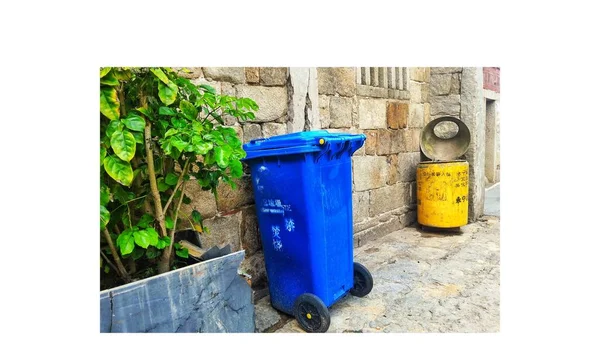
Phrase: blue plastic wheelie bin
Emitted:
{"points": [[302, 185]]}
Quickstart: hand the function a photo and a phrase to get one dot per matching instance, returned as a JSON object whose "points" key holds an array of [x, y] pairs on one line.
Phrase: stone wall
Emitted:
{"points": [[299, 99]]}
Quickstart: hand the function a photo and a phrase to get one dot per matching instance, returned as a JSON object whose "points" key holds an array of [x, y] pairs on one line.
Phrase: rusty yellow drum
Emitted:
{"points": [[443, 193]]}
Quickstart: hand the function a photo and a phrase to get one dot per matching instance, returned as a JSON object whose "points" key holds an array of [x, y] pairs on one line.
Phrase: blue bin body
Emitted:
{"points": [[302, 184]]}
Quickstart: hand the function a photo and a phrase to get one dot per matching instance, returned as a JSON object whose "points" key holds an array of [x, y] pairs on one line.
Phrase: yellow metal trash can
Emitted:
{"points": [[443, 193]]}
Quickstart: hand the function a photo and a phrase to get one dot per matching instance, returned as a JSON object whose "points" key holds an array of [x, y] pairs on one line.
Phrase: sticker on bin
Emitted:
{"points": [[275, 206]]}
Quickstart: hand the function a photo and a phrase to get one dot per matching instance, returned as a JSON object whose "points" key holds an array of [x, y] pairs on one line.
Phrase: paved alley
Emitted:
{"points": [[424, 281]]}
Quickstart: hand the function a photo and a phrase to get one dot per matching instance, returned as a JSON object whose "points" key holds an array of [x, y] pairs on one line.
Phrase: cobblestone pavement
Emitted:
{"points": [[423, 282]]}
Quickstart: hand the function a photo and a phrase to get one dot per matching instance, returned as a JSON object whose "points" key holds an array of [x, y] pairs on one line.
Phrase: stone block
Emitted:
{"points": [[413, 193], [229, 199], [340, 109], [407, 166], [371, 142], [337, 80], [416, 115], [388, 198], [412, 137], [273, 76], [397, 115], [192, 72], [426, 113], [360, 206], [271, 129], [420, 74], [234, 75], [324, 111], [408, 218], [372, 113], [266, 315], [398, 142], [440, 84], [455, 84], [445, 70], [373, 91], [369, 172], [252, 75], [203, 201], [384, 142], [393, 169], [362, 238], [445, 105], [223, 230], [424, 92], [251, 131], [415, 92], [250, 236], [272, 101]]}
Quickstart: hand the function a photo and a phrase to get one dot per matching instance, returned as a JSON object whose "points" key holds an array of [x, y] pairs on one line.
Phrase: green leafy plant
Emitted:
{"points": [[159, 131]]}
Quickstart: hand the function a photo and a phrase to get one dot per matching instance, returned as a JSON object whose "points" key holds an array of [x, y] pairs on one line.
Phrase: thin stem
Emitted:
{"points": [[179, 183], [132, 200], [175, 218], [121, 269], [211, 113], [109, 262]]}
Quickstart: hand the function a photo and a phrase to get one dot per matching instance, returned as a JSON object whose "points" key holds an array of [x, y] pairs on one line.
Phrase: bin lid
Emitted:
{"points": [[298, 142], [287, 140]]}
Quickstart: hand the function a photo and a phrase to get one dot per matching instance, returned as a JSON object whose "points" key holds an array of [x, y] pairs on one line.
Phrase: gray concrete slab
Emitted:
{"points": [[492, 201], [424, 282]]}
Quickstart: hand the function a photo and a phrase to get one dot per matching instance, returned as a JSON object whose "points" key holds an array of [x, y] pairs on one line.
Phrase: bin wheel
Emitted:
{"points": [[311, 313], [363, 281]]}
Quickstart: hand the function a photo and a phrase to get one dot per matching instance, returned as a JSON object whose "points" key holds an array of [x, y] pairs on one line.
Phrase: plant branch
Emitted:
{"points": [[121, 269], [170, 250], [152, 177], [211, 113], [109, 262], [179, 183]]}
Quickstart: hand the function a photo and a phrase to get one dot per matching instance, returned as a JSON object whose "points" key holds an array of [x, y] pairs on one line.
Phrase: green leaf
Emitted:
{"points": [[122, 195], [152, 236], [183, 253], [137, 253], [104, 71], [145, 220], [188, 109], [163, 242], [161, 75], [106, 269], [186, 200], [152, 253], [104, 216], [162, 186], [141, 238], [109, 79], [134, 122], [168, 222], [109, 103], [196, 216], [166, 111], [167, 92], [178, 123], [104, 195], [171, 132], [178, 143], [202, 148], [171, 178], [222, 155], [122, 74], [236, 168], [102, 154], [139, 137], [208, 88], [126, 242], [118, 169], [145, 110], [112, 127], [123, 143]]}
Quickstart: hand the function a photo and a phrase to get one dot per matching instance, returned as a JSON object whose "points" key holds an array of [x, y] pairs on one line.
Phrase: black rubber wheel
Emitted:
{"points": [[363, 281], [311, 313]]}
